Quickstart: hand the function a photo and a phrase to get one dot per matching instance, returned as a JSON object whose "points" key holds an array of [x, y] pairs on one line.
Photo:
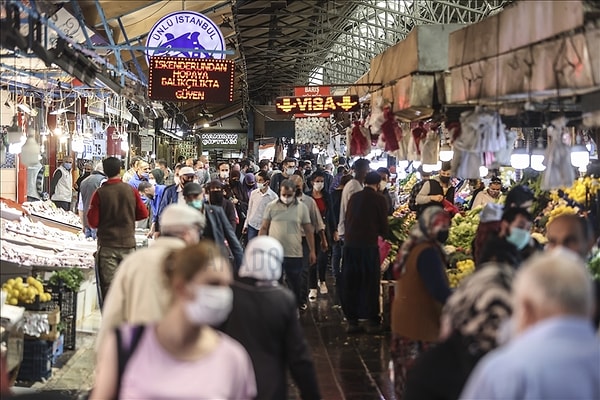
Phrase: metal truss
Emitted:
{"points": [[378, 24]]}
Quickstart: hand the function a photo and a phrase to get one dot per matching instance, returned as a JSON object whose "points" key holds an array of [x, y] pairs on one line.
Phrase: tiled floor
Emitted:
{"points": [[349, 367]]}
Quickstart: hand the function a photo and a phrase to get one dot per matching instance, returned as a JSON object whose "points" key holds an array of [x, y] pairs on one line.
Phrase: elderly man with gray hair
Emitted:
{"points": [[555, 354], [137, 294]]}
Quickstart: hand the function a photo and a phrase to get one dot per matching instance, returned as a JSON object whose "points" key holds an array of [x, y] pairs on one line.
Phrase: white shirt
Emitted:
{"points": [[484, 198], [351, 187], [256, 207]]}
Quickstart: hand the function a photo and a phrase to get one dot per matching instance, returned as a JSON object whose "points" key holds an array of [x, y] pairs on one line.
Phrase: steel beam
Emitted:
{"points": [[138, 67], [108, 31]]}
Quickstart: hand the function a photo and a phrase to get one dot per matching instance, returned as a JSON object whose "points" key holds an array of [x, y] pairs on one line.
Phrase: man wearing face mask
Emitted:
{"points": [[437, 189], [259, 199], [289, 167], [286, 219], [491, 195], [217, 227], [142, 174], [138, 294], [514, 236], [384, 186], [61, 185], [174, 193]]}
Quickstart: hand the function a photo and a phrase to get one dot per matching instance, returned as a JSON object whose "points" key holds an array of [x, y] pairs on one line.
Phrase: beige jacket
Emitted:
{"points": [[138, 294]]}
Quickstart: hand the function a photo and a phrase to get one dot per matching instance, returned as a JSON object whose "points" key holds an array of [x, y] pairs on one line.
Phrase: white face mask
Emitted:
{"points": [[224, 174], [260, 185], [318, 186], [211, 306], [286, 200], [290, 171]]}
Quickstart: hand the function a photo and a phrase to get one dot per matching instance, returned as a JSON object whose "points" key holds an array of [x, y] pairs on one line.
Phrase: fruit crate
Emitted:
{"points": [[37, 361], [66, 299]]}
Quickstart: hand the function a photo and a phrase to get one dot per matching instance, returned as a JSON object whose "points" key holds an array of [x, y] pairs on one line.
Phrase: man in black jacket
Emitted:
{"points": [[217, 226], [365, 220]]}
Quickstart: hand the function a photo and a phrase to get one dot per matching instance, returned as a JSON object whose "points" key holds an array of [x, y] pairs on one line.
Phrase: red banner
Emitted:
{"points": [[304, 91]]}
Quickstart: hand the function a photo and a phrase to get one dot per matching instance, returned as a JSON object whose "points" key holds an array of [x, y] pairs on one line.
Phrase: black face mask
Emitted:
{"points": [[216, 198], [444, 179], [298, 192], [442, 236]]}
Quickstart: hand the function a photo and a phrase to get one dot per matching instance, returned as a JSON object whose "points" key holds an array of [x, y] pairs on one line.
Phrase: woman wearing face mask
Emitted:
{"points": [[216, 197], [239, 199], [181, 356], [325, 206], [422, 289]]}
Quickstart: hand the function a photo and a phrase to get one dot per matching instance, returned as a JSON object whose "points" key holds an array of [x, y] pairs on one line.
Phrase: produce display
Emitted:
{"points": [[36, 233], [462, 269], [18, 291], [463, 229], [47, 209]]}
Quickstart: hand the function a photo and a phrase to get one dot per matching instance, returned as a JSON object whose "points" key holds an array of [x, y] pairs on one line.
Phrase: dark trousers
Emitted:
{"points": [[305, 269], [361, 282], [317, 271], [292, 268], [252, 233], [336, 259], [107, 263], [65, 205]]}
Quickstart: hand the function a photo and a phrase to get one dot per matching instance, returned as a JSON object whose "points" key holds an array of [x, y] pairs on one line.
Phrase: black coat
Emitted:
{"points": [[265, 321], [441, 372], [219, 229]]}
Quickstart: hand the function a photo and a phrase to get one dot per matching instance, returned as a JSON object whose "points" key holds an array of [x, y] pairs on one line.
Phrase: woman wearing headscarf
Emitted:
{"points": [[471, 320], [421, 291], [239, 199], [181, 356], [264, 319]]}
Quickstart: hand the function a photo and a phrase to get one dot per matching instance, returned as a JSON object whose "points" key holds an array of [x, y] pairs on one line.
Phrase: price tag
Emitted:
{"points": [[99, 148]]}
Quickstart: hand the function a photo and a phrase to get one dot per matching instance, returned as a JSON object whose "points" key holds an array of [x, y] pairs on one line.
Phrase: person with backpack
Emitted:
{"points": [[437, 189], [181, 356]]}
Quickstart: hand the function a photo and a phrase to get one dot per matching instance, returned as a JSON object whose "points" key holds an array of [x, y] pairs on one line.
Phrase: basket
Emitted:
{"points": [[66, 299], [37, 361]]}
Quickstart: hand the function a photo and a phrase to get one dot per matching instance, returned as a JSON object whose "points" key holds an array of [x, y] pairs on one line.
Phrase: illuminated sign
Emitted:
{"points": [[185, 34], [187, 79], [295, 105], [220, 140], [303, 91]]}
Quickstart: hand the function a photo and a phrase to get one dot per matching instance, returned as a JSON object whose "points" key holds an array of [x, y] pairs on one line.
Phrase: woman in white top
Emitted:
{"points": [[181, 357]]}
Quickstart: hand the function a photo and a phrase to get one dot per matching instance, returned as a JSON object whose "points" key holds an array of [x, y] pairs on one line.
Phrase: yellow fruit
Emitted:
{"points": [[15, 293], [19, 280], [13, 302], [10, 282]]}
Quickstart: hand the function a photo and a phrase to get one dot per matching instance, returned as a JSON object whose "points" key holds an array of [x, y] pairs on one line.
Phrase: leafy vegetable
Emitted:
{"points": [[70, 277]]}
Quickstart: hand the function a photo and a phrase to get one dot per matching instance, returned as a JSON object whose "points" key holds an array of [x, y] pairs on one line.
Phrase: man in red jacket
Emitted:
{"points": [[114, 208]]}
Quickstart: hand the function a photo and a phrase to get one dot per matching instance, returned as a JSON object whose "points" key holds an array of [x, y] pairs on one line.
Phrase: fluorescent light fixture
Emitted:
{"points": [[446, 153], [519, 158]]}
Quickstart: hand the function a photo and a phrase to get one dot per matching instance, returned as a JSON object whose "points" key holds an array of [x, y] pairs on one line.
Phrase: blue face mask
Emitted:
{"points": [[197, 204], [146, 176], [67, 166], [519, 237]]}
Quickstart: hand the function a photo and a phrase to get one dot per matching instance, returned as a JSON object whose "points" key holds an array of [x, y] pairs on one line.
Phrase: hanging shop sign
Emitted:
{"points": [[223, 140], [146, 143], [295, 105], [186, 34], [199, 79], [305, 91]]}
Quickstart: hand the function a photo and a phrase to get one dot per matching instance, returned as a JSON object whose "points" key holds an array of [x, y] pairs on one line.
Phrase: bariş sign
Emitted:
{"points": [[295, 105], [186, 34], [191, 79]]}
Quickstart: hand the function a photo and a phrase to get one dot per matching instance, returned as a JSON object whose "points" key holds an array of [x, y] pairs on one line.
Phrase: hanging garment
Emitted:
{"points": [[359, 146], [419, 134], [559, 172], [430, 148], [387, 130]]}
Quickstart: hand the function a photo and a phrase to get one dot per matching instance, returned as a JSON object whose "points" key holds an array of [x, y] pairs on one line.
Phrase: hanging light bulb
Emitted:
{"points": [[580, 156], [124, 146], [446, 153], [30, 152], [519, 158], [483, 171]]}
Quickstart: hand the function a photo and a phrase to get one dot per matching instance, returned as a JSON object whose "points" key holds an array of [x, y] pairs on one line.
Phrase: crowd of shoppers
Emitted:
{"points": [[238, 256]]}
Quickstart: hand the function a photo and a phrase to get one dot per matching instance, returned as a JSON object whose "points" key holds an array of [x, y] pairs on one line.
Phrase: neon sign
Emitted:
{"points": [[295, 105], [191, 79]]}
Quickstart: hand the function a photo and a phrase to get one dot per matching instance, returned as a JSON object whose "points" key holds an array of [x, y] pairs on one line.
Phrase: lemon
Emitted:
{"points": [[10, 282], [19, 279], [12, 301], [15, 293]]}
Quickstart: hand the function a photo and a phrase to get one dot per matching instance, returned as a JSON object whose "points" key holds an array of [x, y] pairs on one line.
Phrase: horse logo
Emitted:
{"points": [[185, 34]]}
